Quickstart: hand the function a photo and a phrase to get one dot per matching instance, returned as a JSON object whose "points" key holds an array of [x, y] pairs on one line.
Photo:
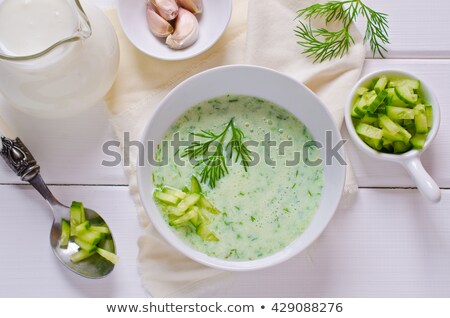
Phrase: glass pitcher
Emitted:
{"points": [[57, 57]]}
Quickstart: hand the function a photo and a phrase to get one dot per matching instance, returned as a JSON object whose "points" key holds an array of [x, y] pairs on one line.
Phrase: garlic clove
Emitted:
{"points": [[195, 6], [167, 9], [157, 25], [186, 30]]}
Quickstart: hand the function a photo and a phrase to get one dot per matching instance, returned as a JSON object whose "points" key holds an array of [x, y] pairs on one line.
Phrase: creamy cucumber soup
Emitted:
{"points": [[247, 209]]}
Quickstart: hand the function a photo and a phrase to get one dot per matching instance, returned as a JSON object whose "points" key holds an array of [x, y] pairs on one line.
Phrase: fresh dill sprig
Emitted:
{"points": [[322, 44], [215, 164], [237, 145]]}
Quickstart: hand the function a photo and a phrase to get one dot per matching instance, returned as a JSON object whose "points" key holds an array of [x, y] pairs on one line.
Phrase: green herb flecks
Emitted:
{"points": [[214, 166], [323, 44]]}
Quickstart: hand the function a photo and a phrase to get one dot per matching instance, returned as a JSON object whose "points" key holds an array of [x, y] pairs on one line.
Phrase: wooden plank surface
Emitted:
{"points": [[381, 243], [28, 267], [73, 152], [417, 29], [69, 150], [73, 147]]}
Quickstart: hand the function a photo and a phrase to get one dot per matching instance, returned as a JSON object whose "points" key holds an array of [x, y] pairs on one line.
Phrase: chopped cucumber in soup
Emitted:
{"points": [[391, 115], [191, 211]]}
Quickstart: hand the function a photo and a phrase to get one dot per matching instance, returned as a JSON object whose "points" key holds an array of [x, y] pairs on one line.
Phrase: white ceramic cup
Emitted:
{"points": [[410, 159], [263, 83]]}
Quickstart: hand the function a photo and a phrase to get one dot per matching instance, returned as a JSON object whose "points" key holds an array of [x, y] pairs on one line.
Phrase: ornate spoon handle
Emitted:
{"points": [[19, 158]]}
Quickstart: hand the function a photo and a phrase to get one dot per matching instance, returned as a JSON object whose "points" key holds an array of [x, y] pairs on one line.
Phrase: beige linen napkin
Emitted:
{"points": [[263, 37]]}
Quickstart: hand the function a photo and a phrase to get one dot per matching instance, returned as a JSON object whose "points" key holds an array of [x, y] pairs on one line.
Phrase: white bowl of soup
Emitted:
{"points": [[242, 168]]}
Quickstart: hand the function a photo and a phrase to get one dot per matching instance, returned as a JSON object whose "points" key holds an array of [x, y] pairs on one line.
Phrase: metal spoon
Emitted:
{"points": [[22, 162]]}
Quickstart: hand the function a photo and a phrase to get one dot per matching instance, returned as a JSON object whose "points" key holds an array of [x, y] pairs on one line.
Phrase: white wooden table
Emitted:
{"points": [[387, 242]]}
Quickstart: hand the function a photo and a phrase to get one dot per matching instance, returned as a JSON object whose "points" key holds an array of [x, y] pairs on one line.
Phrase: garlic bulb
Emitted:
{"points": [[195, 6], [156, 24], [168, 9], [186, 30]]}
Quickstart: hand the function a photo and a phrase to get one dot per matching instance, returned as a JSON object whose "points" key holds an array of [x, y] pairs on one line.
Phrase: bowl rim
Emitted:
{"points": [[410, 154], [202, 258], [175, 57]]}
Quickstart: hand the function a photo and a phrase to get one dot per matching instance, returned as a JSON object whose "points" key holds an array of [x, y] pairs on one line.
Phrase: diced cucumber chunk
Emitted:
{"points": [[393, 130], [113, 258], [388, 147], [369, 119], [418, 141], [406, 135], [429, 114], [419, 108], [410, 126], [174, 192], [395, 137], [369, 131], [409, 83], [173, 210], [421, 123], [65, 234], [203, 217], [408, 122], [82, 227], [77, 215], [196, 220], [85, 245], [205, 233], [401, 147], [394, 112], [387, 144], [101, 229], [91, 237], [80, 255], [368, 97], [377, 101], [381, 84], [355, 115], [406, 94], [107, 245], [204, 203], [376, 144], [381, 110], [361, 90], [166, 198], [359, 112], [189, 201], [362, 104], [185, 218], [387, 124], [398, 121], [172, 217], [372, 84], [195, 185], [393, 99]]}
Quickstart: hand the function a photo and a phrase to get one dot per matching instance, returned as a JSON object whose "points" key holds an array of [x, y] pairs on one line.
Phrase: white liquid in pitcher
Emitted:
{"points": [[66, 80], [31, 26]]}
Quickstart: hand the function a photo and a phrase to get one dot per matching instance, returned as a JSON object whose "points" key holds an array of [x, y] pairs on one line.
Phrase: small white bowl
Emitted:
{"points": [[212, 22], [258, 82], [410, 159]]}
